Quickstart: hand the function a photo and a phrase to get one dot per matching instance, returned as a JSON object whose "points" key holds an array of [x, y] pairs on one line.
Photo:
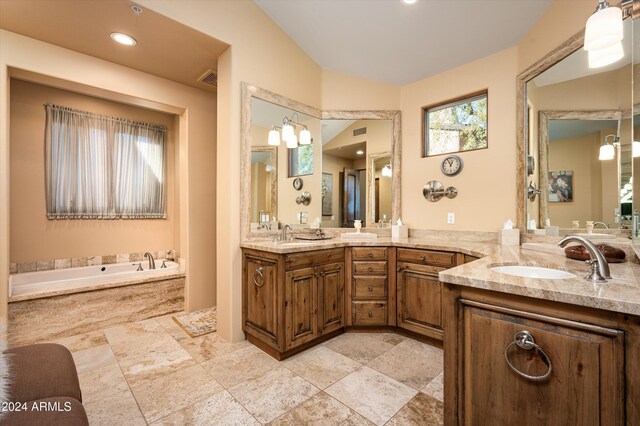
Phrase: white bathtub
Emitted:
{"points": [[60, 281]]}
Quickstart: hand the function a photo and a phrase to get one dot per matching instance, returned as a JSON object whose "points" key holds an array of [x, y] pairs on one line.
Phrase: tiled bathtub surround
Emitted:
{"points": [[60, 316], [77, 262]]}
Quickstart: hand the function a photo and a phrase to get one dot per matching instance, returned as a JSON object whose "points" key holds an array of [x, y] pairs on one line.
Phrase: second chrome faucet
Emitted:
{"points": [[598, 265]]}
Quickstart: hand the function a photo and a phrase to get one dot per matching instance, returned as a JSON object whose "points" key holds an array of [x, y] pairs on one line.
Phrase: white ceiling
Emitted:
{"points": [[388, 41]]}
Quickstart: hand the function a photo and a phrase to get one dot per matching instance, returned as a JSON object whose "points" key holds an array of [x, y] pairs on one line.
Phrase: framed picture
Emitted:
{"points": [[560, 186], [327, 194]]}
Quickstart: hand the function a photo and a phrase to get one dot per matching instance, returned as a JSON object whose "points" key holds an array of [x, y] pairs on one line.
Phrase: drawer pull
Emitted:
{"points": [[370, 289], [370, 254], [370, 314], [422, 258], [370, 269], [258, 272], [524, 340], [322, 274], [399, 269]]}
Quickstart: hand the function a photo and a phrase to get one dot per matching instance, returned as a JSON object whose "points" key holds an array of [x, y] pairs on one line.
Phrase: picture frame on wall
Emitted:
{"points": [[327, 194], [560, 185]]}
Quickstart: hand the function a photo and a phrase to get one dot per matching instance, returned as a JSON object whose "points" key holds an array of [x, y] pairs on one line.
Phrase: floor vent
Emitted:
{"points": [[210, 78], [360, 131]]}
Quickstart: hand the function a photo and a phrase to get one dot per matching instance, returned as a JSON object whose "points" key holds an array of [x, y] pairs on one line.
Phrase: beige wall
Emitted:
{"points": [[33, 236], [581, 156], [487, 184], [44, 63], [343, 91]]}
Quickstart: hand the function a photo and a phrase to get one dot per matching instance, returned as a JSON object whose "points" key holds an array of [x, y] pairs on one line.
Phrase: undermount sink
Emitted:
{"points": [[533, 272], [296, 243]]}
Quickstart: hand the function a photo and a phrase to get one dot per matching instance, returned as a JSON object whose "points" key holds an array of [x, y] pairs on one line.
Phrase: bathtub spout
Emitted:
{"points": [[152, 263]]}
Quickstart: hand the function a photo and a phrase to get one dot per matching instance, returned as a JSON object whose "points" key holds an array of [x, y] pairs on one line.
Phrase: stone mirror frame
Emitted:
{"points": [[249, 91]]}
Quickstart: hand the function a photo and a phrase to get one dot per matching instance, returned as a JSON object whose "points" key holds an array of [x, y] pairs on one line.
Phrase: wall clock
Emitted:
{"points": [[297, 184], [451, 165]]}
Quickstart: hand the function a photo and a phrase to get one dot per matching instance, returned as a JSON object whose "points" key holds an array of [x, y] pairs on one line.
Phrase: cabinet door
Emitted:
{"points": [[260, 294], [419, 300], [330, 297], [301, 288], [585, 387]]}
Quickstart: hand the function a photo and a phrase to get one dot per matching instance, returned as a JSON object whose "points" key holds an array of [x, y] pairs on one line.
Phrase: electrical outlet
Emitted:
{"points": [[451, 218]]}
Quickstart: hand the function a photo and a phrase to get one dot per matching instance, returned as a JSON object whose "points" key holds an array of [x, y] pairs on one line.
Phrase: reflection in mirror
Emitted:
{"points": [[579, 145], [354, 189], [636, 126], [273, 195]]}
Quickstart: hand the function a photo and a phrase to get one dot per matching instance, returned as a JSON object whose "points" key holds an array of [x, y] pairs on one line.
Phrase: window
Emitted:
{"points": [[457, 125], [301, 160], [99, 167]]}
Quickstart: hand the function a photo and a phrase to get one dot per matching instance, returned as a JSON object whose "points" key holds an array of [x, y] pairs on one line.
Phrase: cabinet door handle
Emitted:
{"points": [[524, 340], [370, 254], [370, 289], [399, 269], [370, 269], [370, 314], [422, 258], [259, 273], [322, 274], [315, 274]]}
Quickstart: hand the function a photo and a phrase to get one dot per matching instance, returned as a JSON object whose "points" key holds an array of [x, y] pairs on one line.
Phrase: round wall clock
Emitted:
{"points": [[451, 165], [297, 184]]}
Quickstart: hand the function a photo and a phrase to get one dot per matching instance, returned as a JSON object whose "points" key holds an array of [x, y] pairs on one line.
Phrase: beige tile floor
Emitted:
{"points": [[152, 372]]}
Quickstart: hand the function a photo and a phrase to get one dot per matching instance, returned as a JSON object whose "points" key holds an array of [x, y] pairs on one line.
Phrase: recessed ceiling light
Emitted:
{"points": [[409, 2], [127, 40], [359, 152]]}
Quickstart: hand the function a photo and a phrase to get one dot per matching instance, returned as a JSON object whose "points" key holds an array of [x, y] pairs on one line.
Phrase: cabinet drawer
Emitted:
{"points": [[369, 268], [369, 313], [313, 258], [427, 257], [370, 287], [369, 253]]}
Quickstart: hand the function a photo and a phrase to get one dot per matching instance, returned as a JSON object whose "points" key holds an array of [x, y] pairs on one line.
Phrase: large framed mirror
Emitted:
{"points": [[575, 143], [346, 168]]}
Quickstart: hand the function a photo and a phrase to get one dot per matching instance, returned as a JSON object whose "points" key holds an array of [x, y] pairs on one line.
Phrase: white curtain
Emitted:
{"points": [[100, 167]]}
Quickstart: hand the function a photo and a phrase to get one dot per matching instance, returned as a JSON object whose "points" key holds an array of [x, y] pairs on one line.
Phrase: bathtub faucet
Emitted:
{"points": [[152, 263]]}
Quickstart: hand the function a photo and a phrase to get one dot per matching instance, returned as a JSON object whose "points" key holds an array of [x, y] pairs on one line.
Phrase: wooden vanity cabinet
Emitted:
{"points": [[592, 358], [291, 300], [420, 291]]}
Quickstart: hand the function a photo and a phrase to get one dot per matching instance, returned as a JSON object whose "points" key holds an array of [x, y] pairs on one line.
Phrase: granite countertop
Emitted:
{"points": [[472, 248], [619, 294]]}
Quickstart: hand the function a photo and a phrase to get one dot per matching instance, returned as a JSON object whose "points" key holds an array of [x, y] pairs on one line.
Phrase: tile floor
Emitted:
{"points": [[152, 372]]}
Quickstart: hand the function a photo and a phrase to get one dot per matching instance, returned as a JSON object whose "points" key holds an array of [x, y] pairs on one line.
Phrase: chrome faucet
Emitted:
{"points": [[598, 265], [283, 234], [601, 223], [152, 263]]}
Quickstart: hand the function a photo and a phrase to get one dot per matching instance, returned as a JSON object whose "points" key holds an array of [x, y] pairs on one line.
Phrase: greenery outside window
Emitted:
{"points": [[301, 161], [456, 125]]}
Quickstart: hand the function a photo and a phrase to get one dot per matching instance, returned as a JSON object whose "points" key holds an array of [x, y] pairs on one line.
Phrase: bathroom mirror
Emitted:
{"points": [[326, 160], [575, 134], [354, 154]]}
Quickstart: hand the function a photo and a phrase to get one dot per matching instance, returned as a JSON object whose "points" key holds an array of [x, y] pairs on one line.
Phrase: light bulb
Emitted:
{"points": [[125, 39], [604, 29], [607, 152], [274, 137], [292, 142], [287, 132], [635, 149], [305, 137], [608, 55]]}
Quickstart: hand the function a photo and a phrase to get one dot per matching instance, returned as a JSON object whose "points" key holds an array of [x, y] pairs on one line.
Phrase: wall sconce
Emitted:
{"points": [[608, 151], [603, 35], [386, 171], [288, 133]]}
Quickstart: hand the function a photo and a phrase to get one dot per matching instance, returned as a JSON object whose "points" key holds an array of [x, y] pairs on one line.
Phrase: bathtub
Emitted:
{"points": [[71, 280]]}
